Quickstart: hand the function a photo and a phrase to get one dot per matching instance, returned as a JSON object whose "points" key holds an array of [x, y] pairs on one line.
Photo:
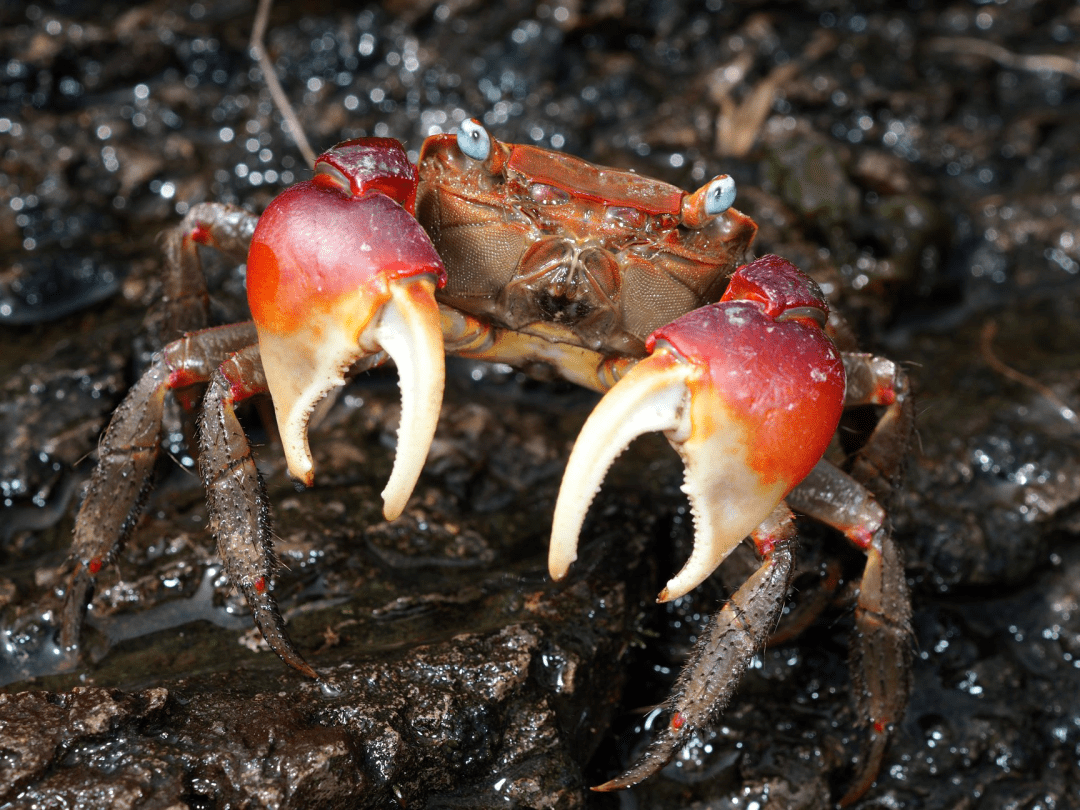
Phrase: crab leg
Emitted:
{"points": [[724, 650], [236, 498], [127, 454], [748, 391], [185, 303], [877, 381], [340, 272], [881, 645]]}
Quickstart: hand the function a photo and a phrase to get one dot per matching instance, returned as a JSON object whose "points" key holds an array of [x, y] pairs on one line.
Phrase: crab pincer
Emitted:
{"points": [[749, 392], [341, 273]]}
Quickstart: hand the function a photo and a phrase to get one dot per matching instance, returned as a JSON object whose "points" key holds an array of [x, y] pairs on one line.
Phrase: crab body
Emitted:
{"points": [[515, 254], [571, 252]]}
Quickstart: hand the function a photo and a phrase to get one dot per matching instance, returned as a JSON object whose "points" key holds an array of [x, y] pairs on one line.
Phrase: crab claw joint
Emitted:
{"points": [[748, 391], [338, 272]]}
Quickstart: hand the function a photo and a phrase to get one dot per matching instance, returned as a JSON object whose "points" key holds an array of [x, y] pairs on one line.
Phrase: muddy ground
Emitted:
{"points": [[919, 161]]}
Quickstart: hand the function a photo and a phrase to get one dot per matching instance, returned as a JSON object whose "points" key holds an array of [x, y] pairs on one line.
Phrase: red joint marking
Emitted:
{"points": [[885, 394], [239, 388], [678, 720], [94, 566], [766, 544], [181, 378], [879, 726], [201, 234], [238, 391], [260, 584], [860, 536]]}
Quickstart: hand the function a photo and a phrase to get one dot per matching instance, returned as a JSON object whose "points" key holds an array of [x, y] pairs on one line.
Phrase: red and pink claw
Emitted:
{"points": [[339, 271], [748, 391]]}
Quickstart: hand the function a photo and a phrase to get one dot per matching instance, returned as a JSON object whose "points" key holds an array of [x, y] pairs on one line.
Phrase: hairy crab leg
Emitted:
{"points": [[185, 304], [881, 649], [236, 498], [727, 645], [881, 654], [127, 454], [876, 381]]}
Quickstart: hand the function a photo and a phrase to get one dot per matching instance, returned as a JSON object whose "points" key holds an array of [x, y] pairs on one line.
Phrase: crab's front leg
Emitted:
{"points": [[749, 391]]}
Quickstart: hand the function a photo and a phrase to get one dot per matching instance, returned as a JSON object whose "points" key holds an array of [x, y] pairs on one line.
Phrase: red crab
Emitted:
{"points": [[614, 281]]}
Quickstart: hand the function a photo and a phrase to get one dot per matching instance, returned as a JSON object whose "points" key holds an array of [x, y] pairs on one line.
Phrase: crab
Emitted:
{"points": [[515, 254]]}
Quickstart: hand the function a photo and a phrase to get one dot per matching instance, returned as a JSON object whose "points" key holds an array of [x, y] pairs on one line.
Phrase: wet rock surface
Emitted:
{"points": [[920, 163]]}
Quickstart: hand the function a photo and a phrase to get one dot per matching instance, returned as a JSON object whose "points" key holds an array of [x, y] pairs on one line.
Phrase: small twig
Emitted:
{"points": [[739, 124], [988, 331], [258, 31], [991, 50]]}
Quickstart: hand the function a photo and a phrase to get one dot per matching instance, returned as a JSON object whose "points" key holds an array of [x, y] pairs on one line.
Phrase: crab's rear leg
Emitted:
{"points": [[872, 380], [127, 454], [881, 649], [723, 651], [185, 303]]}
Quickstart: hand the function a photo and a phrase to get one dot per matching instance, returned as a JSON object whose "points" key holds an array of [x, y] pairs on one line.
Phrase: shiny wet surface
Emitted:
{"points": [[928, 181]]}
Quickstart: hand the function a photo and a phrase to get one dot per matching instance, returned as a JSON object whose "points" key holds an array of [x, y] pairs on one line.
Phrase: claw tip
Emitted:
{"points": [[557, 570]]}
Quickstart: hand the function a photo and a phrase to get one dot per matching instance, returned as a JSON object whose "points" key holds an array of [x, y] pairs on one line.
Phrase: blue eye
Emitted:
{"points": [[474, 141], [720, 196]]}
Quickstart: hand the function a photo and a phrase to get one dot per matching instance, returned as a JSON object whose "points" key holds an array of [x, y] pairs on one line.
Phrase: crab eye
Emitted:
{"points": [[474, 141], [720, 195]]}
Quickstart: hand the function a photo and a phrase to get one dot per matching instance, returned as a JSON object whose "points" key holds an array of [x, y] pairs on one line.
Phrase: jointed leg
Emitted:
{"points": [[731, 639], [879, 464], [881, 654], [127, 454], [185, 303], [236, 498], [881, 649]]}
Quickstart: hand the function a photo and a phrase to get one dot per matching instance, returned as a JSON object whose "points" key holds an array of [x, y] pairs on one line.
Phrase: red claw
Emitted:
{"points": [[748, 390], [339, 271], [778, 371]]}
